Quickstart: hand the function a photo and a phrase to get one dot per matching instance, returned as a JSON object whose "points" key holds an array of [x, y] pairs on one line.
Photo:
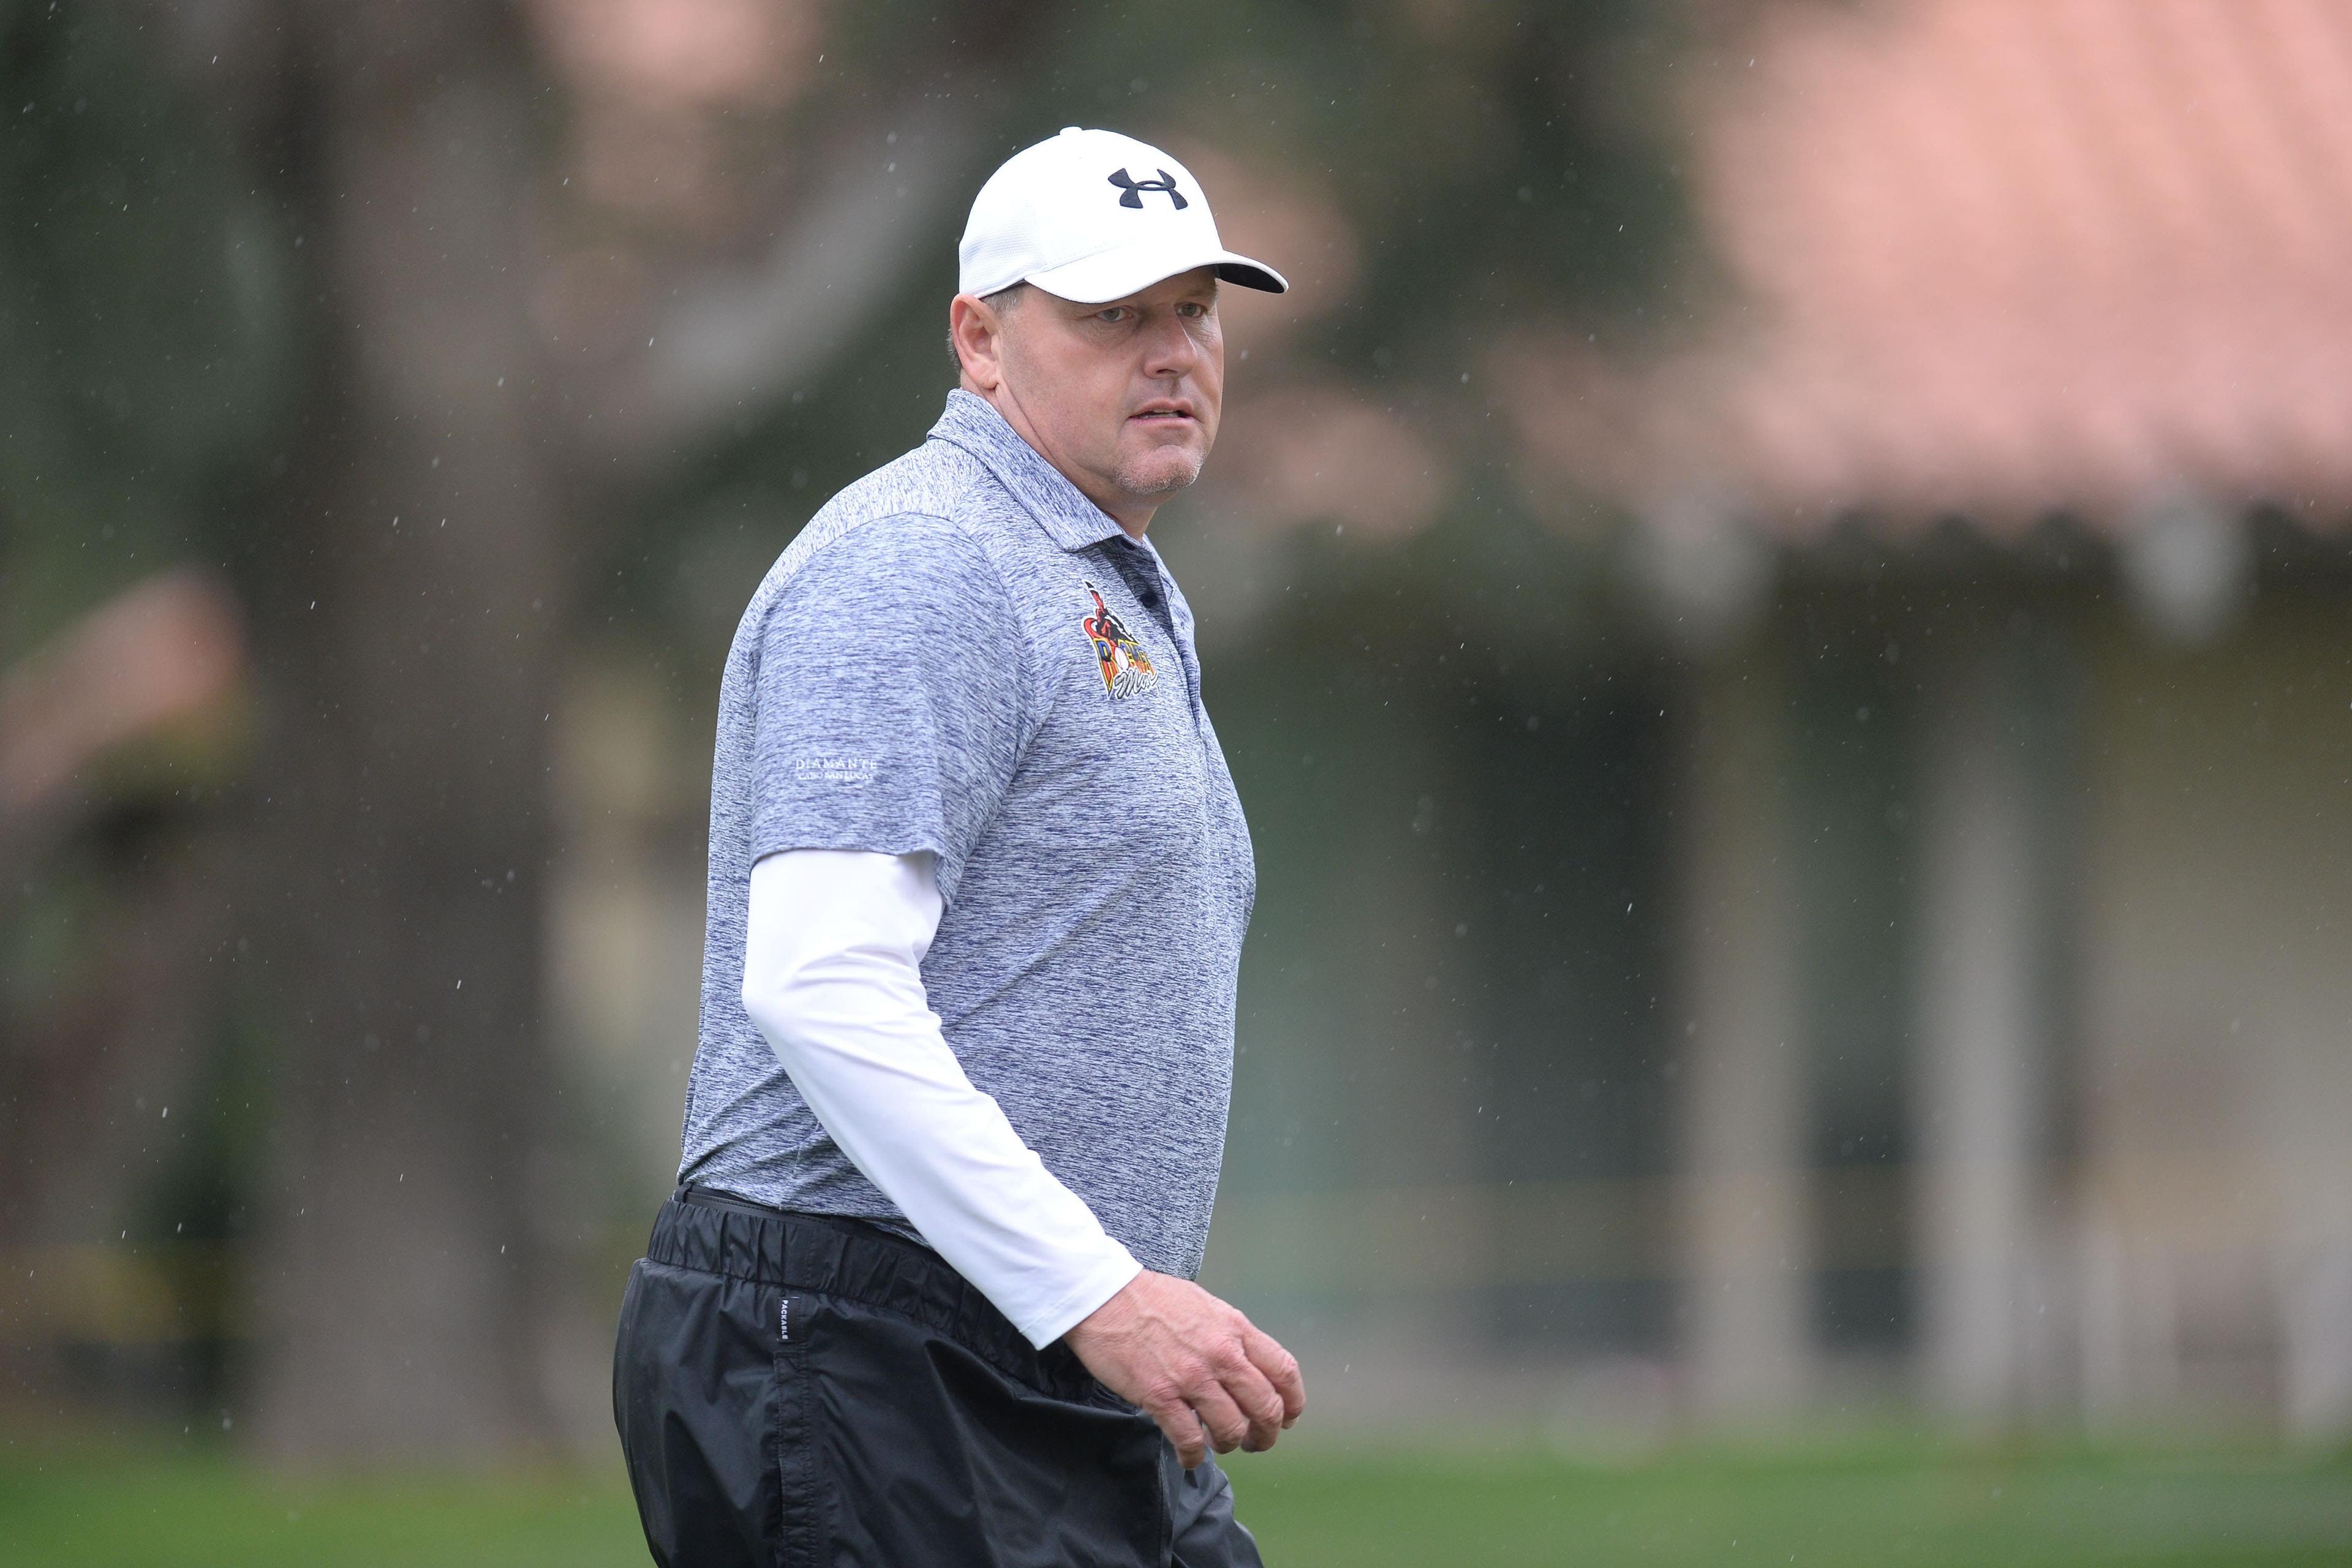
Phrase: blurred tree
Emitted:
{"points": [[408, 576], [141, 329], [1492, 168], [139, 345]]}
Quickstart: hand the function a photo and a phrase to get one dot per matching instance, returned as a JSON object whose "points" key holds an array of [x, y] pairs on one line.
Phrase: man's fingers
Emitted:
{"points": [[1227, 1426], [1281, 1370], [1183, 1431], [1258, 1403]]}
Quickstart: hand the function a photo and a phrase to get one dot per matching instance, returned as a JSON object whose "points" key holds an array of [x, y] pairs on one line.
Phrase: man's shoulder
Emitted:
{"points": [[923, 535], [907, 512]]}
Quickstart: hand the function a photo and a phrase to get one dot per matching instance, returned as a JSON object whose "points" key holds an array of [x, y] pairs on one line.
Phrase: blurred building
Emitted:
{"points": [[1930, 979], [2036, 383], [1910, 962]]}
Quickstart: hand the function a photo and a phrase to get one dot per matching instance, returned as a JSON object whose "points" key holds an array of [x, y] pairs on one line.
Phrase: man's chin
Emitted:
{"points": [[1158, 473]]}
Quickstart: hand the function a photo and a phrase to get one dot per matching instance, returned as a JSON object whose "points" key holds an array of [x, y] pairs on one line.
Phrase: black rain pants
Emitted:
{"points": [[796, 1391]]}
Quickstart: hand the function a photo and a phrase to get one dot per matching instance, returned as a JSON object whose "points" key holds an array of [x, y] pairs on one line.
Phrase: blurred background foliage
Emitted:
{"points": [[1708, 590], [206, 391]]}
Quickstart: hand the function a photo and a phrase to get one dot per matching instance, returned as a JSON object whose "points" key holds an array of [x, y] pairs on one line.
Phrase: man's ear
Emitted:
{"points": [[977, 331]]}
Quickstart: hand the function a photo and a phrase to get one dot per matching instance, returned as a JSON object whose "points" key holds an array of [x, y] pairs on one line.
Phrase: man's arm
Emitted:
{"points": [[833, 979]]}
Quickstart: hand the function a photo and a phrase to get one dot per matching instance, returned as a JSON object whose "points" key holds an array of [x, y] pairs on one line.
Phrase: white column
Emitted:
{"points": [[2315, 1312], [1746, 1236], [2313, 1076], [1978, 1084]]}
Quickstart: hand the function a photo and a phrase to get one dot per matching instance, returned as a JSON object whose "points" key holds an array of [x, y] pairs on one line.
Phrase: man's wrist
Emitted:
{"points": [[1107, 1277]]}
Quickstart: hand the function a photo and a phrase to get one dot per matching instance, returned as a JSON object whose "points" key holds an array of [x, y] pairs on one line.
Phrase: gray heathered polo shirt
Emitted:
{"points": [[960, 653]]}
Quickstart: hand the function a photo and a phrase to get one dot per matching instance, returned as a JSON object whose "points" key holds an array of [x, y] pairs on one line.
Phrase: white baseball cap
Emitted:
{"points": [[1092, 215]]}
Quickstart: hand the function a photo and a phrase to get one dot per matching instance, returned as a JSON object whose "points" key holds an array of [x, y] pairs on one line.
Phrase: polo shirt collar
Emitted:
{"points": [[972, 422]]}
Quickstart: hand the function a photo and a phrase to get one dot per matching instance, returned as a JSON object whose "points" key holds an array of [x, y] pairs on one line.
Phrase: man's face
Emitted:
{"points": [[1124, 397]]}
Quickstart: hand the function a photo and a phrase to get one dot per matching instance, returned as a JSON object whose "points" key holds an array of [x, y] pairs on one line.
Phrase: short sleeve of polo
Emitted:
{"points": [[892, 697]]}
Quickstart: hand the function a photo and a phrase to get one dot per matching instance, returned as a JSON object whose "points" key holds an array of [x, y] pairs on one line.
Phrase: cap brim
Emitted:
{"points": [[1130, 269]]}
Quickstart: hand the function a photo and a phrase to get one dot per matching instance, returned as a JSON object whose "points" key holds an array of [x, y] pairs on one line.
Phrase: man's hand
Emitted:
{"points": [[1192, 1361]]}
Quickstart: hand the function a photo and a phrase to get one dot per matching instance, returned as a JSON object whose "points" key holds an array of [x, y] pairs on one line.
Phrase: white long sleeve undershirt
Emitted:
{"points": [[833, 979]]}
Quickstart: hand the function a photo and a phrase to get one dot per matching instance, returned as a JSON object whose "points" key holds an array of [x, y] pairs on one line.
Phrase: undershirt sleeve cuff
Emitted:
{"points": [[1098, 1284]]}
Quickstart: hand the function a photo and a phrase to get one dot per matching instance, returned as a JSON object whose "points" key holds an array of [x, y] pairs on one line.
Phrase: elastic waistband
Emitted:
{"points": [[826, 1255]]}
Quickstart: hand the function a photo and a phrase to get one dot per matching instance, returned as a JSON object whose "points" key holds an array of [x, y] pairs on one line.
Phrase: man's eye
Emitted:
{"points": [[1116, 313]]}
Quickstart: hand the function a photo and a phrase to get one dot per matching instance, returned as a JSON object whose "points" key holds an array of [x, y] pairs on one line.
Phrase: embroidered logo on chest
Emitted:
{"points": [[1126, 668]]}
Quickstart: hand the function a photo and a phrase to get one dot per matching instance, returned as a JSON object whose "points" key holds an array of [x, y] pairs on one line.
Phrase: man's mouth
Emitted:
{"points": [[1159, 412]]}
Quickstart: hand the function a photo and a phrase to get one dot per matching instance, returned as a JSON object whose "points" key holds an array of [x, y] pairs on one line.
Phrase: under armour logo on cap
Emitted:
{"points": [[1135, 188]]}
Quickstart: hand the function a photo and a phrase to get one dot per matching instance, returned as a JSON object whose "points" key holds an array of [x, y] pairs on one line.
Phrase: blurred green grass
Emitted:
{"points": [[1895, 1501]]}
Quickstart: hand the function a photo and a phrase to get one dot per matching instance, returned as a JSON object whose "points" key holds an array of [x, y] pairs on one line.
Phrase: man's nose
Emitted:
{"points": [[1169, 349]]}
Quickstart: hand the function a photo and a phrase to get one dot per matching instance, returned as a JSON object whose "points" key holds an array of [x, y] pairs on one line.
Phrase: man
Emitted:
{"points": [[978, 886]]}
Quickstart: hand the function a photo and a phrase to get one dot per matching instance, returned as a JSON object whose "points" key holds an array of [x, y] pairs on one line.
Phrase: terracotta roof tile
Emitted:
{"points": [[2000, 258]]}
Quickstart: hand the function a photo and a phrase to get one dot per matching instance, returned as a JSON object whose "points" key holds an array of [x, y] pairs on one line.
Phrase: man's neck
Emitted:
{"points": [[1132, 513]]}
